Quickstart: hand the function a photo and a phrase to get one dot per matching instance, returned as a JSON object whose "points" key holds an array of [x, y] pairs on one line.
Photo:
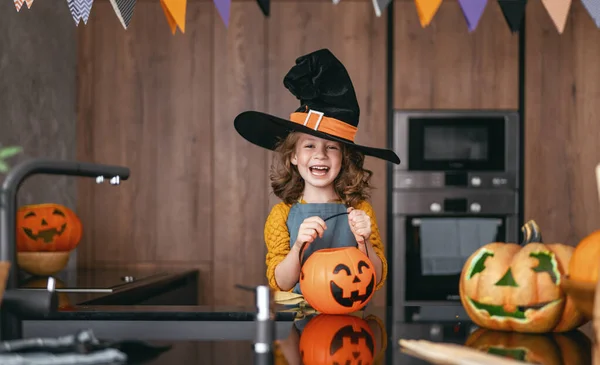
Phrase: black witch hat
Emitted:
{"points": [[328, 107]]}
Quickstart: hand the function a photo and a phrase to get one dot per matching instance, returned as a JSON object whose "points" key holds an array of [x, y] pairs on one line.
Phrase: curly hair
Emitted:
{"points": [[351, 185]]}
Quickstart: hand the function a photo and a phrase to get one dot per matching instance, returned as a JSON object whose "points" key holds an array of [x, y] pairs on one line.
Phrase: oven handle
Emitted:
{"points": [[417, 222]]}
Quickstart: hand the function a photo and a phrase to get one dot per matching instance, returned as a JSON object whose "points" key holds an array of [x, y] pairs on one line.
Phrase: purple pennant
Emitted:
{"points": [[472, 10], [223, 7]]}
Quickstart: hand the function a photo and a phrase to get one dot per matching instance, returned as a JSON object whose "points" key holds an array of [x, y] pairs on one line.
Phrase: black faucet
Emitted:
{"points": [[19, 302]]}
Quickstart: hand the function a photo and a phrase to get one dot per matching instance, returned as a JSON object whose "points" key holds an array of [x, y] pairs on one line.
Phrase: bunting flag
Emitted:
{"points": [[472, 11], [513, 11], [558, 11], [175, 13], [380, 5], [74, 10], [28, 2], [223, 7], [84, 8], [426, 9], [18, 4], [265, 6], [124, 10], [593, 7], [335, 2]]}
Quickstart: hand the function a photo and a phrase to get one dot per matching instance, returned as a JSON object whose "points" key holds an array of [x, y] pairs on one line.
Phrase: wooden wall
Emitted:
{"points": [[198, 196]]}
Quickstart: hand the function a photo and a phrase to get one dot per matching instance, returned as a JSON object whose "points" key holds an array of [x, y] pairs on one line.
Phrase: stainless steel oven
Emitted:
{"points": [[456, 190]]}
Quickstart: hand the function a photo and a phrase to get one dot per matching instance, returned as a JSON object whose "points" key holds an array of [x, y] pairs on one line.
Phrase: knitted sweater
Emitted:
{"points": [[277, 239]]}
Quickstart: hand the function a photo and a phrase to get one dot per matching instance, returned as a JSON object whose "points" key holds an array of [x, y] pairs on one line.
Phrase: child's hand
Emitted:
{"points": [[360, 224], [309, 229]]}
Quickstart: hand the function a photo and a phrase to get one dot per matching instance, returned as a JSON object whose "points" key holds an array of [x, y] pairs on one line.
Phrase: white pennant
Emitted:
{"points": [[380, 5]]}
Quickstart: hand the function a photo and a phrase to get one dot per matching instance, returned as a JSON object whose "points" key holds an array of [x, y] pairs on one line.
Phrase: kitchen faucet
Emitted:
{"points": [[15, 302]]}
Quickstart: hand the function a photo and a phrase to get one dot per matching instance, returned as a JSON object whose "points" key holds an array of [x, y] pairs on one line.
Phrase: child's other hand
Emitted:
{"points": [[309, 229], [360, 224]]}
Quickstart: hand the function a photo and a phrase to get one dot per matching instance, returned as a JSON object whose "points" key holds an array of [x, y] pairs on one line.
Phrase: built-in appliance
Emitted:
{"points": [[456, 189]]}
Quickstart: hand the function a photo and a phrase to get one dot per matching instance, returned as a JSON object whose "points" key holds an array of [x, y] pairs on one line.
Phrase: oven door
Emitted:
{"points": [[437, 247]]}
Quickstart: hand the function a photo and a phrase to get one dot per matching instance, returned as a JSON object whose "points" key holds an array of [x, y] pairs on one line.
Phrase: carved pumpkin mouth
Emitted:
{"points": [[338, 294], [46, 234], [354, 336], [519, 313]]}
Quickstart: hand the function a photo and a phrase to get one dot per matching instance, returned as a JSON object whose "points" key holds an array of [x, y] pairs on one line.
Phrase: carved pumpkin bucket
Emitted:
{"points": [[505, 286], [572, 347], [337, 280], [337, 339], [47, 227]]}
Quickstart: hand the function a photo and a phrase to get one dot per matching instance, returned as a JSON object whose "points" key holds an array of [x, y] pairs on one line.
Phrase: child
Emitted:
{"points": [[319, 172]]}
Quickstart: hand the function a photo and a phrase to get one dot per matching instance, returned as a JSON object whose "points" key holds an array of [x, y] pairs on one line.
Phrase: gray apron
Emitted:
{"points": [[337, 234]]}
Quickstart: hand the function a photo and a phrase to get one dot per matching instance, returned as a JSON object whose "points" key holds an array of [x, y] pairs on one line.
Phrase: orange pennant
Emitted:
{"points": [[558, 11], [175, 13], [426, 10]]}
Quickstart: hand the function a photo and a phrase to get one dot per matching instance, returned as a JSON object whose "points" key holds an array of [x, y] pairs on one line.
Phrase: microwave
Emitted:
{"points": [[456, 148]]}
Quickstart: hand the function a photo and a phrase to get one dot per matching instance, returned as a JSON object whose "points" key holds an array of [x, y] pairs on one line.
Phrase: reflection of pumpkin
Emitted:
{"points": [[585, 261], [42, 282], [337, 280], [548, 349], [47, 227], [504, 286], [337, 339]]}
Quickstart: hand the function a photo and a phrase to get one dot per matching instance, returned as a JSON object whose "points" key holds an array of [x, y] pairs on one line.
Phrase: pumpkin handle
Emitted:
{"points": [[300, 258], [531, 233]]}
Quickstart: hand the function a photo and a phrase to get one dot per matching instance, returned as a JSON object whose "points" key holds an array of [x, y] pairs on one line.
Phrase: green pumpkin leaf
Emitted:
{"points": [[10, 151], [3, 167]]}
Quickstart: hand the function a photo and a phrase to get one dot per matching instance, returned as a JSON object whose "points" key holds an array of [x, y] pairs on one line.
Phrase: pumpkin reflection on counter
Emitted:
{"points": [[508, 287], [337, 280], [564, 348], [46, 234], [42, 282], [334, 339]]}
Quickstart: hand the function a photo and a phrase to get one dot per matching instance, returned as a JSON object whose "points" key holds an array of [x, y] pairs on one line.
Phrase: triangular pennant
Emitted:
{"points": [[29, 3], [124, 10], [513, 11], [223, 7], [558, 11], [18, 4], [472, 10], [593, 7], [380, 6], [74, 10], [175, 13], [265, 6], [426, 10], [84, 7]]}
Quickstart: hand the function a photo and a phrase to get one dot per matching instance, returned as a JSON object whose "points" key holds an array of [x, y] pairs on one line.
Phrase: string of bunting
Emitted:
{"points": [[175, 11]]}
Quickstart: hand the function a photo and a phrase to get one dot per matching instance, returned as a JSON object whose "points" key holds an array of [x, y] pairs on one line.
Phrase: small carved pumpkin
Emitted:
{"points": [[337, 280], [585, 262], [549, 349], [337, 339], [504, 286], [47, 227]]}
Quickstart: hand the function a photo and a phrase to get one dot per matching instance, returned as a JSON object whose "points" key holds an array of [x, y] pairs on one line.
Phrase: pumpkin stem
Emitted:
{"points": [[531, 233]]}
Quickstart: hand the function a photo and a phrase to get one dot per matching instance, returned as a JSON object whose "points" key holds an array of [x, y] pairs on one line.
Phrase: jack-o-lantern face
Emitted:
{"points": [[337, 280], [337, 339], [504, 286], [549, 349], [47, 227]]}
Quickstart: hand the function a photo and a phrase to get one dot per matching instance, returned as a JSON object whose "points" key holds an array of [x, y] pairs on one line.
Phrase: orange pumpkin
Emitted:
{"points": [[549, 349], [504, 286], [337, 339], [337, 280], [585, 261], [47, 227]]}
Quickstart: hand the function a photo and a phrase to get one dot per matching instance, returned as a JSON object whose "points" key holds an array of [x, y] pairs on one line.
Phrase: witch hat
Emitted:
{"points": [[328, 107]]}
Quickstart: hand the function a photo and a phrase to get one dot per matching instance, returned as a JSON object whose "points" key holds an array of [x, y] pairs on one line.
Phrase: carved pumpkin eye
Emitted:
{"points": [[58, 212], [29, 214], [342, 267], [361, 265]]}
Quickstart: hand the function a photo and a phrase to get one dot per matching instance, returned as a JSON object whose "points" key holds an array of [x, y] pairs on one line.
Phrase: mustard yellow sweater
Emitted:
{"points": [[277, 239]]}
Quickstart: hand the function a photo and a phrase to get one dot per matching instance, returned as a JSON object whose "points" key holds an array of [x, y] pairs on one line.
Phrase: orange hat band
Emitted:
{"points": [[319, 122]]}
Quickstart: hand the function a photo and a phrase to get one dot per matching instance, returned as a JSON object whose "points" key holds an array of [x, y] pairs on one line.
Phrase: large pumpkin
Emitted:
{"points": [[337, 280], [47, 227], [548, 349], [585, 261], [337, 339], [504, 286]]}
